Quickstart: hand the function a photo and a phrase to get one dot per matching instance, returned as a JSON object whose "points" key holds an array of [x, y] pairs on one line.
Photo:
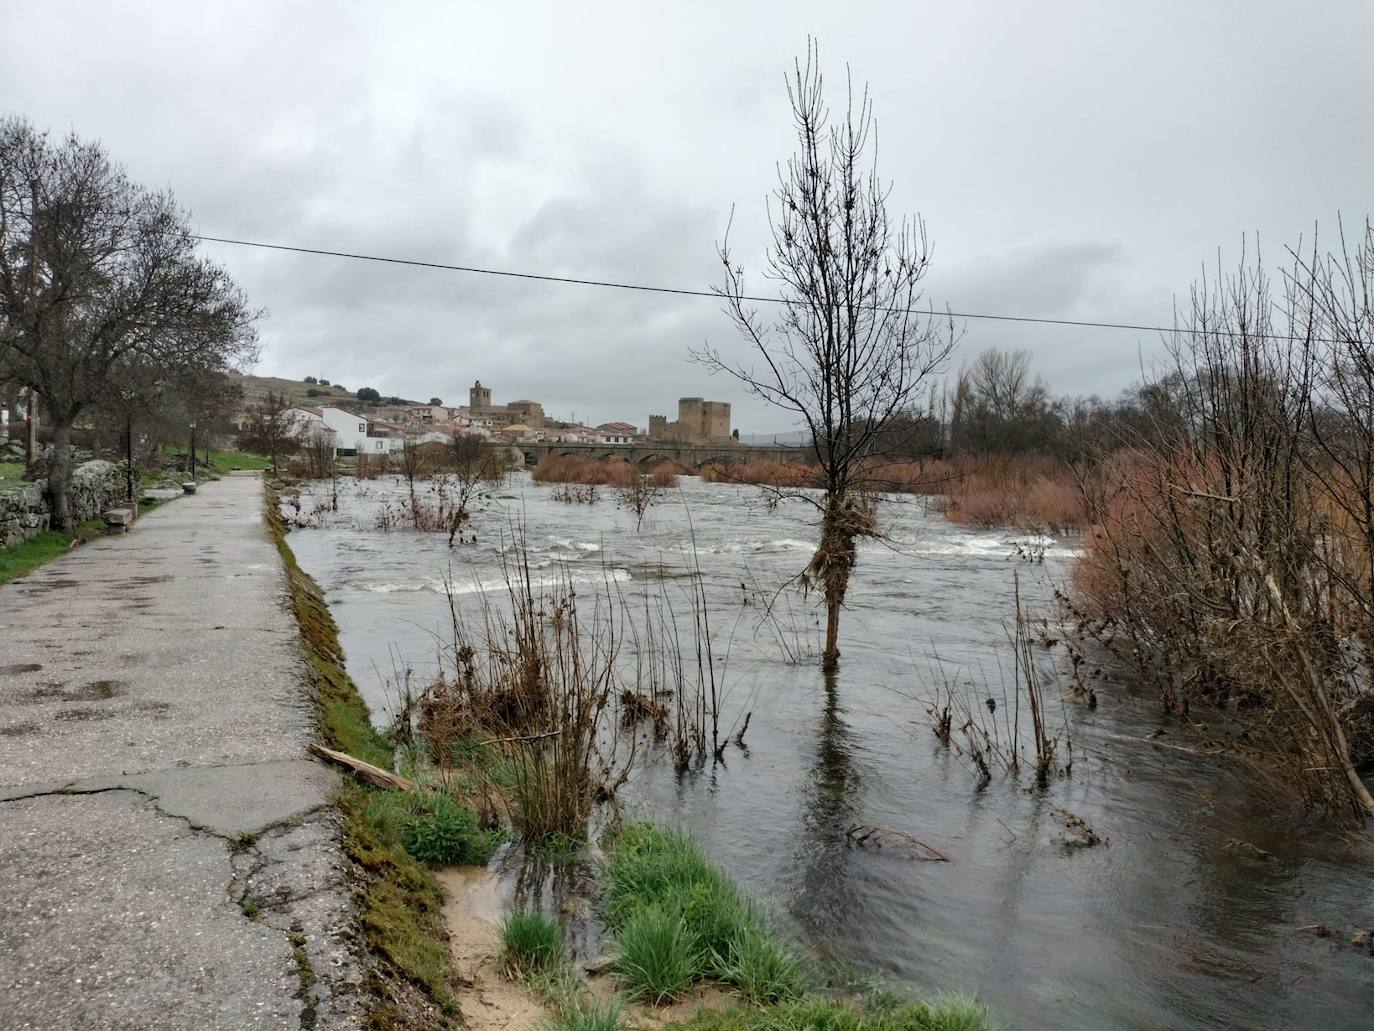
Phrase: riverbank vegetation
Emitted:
{"points": [[399, 901], [680, 929], [549, 695], [1232, 563]]}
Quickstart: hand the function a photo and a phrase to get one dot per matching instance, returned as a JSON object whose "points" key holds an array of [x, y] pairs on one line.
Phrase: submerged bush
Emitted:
{"points": [[656, 955], [532, 941]]}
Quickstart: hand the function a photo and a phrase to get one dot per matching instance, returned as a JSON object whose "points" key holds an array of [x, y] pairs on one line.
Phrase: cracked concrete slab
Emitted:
{"points": [[171, 855]]}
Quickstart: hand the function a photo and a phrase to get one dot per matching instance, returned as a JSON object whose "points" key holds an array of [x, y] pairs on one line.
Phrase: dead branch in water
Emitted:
{"points": [[862, 834], [739, 738], [1089, 838]]}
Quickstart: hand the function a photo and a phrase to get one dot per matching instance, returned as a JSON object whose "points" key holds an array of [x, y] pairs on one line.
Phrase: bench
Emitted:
{"points": [[118, 517]]}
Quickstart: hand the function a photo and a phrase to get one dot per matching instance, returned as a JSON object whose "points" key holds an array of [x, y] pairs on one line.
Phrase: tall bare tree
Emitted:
{"points": [[97, 274], [851, 346]]}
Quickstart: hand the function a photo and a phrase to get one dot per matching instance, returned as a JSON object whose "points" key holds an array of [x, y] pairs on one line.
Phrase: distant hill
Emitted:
{"points": [[255, 388]]}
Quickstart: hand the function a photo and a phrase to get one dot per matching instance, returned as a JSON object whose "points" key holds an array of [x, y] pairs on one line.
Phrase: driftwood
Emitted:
{"points": [[862, 834], [363, 770]]}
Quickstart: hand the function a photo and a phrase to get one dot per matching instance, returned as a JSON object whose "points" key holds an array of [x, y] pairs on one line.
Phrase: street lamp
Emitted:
{"points": [[193, 449]]}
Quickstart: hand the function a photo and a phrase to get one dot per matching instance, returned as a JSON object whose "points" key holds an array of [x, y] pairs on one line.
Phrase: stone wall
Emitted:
{"points": [[24, 509]]}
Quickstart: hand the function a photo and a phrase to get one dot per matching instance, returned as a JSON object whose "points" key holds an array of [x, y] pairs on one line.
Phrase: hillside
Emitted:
{"points": [[255, 388]]}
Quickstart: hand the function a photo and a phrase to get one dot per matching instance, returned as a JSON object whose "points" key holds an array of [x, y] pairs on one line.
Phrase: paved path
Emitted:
{"points": [[168, 855]]}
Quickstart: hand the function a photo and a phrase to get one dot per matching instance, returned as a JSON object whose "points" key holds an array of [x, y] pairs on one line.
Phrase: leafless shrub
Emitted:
{"points": [[641, 494], [536, 686], [1233, 553]]}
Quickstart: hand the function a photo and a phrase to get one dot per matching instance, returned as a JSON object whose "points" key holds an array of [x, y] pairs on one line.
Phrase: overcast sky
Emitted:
{"points": [[1072, 160]]}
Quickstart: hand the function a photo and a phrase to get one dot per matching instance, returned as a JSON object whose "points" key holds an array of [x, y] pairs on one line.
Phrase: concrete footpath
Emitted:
{"points": [[169, 857]]}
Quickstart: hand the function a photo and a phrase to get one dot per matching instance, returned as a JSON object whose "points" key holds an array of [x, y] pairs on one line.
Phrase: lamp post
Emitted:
{"points": [[129, 461], [193, 449]]}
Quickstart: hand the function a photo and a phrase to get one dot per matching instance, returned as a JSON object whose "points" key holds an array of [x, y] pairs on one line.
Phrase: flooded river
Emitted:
{"points": [[1189, 916]]}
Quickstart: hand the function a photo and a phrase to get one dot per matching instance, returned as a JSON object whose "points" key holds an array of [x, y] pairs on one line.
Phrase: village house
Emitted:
{"points": [[617, 433]]}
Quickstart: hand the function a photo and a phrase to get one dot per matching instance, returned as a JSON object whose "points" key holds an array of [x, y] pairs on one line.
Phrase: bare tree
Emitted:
{"points": [[412, 468], [272, 428], [98, 274], [850, 348], [475, 467], [642, 493], [322, 457]]}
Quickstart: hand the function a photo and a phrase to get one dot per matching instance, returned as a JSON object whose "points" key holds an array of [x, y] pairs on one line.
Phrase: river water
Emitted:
{"points": [[1188, 916]]}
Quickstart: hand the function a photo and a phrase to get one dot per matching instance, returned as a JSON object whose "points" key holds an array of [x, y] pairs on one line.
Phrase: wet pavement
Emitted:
{"points": [[171, 856]]}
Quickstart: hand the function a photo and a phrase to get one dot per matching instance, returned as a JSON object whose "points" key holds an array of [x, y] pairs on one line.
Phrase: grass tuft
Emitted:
{"points": [[821, 1013], [760, 967], [532, 942], [583, 1014], [657, 957]]}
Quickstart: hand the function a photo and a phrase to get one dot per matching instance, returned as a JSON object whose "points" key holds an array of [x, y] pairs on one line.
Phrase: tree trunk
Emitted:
{"points": [[60, 476], [832, 565], [830, 658], [31, 431]]}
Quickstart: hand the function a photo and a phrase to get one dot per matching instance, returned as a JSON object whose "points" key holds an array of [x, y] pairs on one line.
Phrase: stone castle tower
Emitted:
{"points": [[698, 422], [479, 397]]}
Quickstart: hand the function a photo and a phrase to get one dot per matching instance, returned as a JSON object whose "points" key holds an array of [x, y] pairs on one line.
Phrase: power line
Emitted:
{"points": [[645, 288]]}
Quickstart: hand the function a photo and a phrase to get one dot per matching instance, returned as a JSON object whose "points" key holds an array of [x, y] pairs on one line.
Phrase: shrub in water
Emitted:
{"points": [[532, 942], [759, 966], [656, 955]]}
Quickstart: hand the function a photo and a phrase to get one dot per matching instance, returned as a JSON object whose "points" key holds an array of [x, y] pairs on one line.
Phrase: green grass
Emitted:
{"points": [[820, 1013], [432, 827], [583, 1014], [656, 955], [10, 471], [44, 547], [223, 461], [532, 942], [679, 920], [760, 967], [725, 937]]}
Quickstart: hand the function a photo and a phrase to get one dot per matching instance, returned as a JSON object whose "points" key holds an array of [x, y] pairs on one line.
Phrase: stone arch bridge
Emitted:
{"points": [[694, 455]]}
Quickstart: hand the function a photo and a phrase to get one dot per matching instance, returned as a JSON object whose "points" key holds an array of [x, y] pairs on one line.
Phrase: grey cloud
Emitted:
{"points": [[1077, 162]]}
